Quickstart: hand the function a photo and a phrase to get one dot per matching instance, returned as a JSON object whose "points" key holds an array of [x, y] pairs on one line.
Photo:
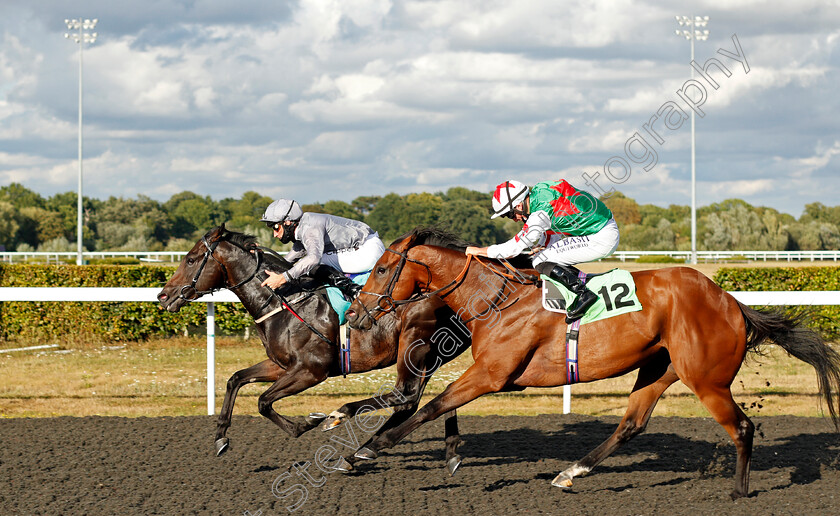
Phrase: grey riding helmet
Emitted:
{"points": [[282, 210]]}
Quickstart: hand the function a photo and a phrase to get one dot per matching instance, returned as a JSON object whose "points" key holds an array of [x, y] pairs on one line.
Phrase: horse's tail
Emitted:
{"points": [[801, 342]]}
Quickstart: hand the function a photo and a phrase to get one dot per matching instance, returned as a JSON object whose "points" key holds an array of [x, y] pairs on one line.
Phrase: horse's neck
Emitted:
{"points": [[252, 294]]}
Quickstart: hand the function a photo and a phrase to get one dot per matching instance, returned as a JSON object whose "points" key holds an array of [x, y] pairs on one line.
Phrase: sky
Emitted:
{"points": [[322, 100]]}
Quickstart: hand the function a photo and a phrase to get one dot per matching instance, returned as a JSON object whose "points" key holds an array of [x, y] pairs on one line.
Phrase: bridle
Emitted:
{"points": [[208, 253]]}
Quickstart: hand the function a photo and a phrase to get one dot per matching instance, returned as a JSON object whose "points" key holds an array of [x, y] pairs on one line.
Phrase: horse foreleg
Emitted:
{"points": [[652, 381], [265, 371], [394, 399], [475, 382], [453, 441], [401, 413], [293, 381], [403, 399]]}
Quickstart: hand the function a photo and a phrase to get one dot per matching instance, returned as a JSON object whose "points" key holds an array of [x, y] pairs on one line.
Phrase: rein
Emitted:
{"points": [[390, 304], [515, 274], [285, 303]]}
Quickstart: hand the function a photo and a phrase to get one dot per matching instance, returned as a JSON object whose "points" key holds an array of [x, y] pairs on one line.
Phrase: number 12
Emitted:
{"points": [[621, 300]]}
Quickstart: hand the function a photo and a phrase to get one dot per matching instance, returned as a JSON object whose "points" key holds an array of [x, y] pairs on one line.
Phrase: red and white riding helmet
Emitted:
{"points": [[507, 196]]}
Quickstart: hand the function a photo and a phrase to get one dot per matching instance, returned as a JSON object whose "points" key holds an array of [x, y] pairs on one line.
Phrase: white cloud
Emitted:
{"points": [[406, 95], [208, 164], [440, 176], [805, 167], [739, 188], [608, 139], [339, 146], [272, 101], [537, 23], [204, 97]]}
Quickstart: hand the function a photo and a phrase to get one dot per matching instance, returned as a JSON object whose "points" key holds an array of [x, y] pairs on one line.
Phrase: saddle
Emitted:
{"points": [[336, 298], [616, 292]]}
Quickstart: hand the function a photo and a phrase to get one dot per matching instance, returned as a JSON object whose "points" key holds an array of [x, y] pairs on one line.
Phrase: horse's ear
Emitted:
{"points": [[216, 233], [410, 239]]}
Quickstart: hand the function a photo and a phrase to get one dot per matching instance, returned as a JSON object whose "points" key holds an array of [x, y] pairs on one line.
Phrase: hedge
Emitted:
{"points": [[658, 258], [825, 318], [118, 321], [111, 321]]}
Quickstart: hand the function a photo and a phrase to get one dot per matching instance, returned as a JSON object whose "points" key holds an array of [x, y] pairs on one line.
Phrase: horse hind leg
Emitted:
{"points": [[718, 400], [654, 378], [265, 371], [474, 382]]}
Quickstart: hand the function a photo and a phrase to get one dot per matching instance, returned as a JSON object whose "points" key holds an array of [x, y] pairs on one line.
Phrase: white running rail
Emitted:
{"points": [[704, 256]]}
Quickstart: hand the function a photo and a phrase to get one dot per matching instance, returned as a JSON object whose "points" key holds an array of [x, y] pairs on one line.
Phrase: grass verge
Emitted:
{"points": [[167, 378]]}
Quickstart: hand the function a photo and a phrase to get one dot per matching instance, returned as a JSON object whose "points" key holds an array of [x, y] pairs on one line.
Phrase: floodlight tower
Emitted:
{"points": [[691, 33], [81, 37]]}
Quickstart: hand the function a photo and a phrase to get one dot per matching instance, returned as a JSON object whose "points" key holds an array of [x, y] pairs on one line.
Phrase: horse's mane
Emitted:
{"points": [[432, 235], [240, 239], [246, 241], [435, 236]]}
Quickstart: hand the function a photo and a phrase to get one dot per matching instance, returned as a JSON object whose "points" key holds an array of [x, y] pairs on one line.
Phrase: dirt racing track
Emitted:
{"points": [[97, 465]]}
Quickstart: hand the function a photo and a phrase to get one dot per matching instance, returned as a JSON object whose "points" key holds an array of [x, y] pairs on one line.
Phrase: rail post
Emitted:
{"points": [[211, 358], [567, 399]]}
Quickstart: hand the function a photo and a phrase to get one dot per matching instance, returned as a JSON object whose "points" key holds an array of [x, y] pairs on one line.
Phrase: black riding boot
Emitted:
{"points": [[568, 276], [336, 278]]}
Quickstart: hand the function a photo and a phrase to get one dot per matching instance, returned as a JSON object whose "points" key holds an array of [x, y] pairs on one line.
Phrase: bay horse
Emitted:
{"points": [[689, 330], [300, 339]]}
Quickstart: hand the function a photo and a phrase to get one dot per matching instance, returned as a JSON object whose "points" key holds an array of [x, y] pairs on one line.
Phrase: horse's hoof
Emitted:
{"points": [[562, 481], [365, 454], [222, 445], [331, 422], [735, 495], [341, 465], [315, 418], [453, 464]]}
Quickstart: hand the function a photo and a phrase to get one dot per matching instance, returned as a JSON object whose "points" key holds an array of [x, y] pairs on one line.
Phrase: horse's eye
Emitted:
{"points": [[381, 270], [190, 261]]}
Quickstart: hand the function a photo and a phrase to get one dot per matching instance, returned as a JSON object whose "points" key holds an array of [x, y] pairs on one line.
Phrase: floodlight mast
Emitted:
{"points": [[691, 33], [81, 37]]}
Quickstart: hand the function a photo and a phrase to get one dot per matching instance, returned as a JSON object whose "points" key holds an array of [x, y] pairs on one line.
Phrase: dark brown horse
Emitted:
{"points": [[299, 330], [689, 330]]}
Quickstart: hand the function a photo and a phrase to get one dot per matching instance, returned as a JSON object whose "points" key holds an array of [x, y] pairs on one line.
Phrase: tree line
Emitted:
{"points": [[730, 225], [32, 222]]}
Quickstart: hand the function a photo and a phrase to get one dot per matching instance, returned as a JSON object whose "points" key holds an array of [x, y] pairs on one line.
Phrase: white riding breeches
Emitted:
{"points": [[355, 260], [579, 249]]}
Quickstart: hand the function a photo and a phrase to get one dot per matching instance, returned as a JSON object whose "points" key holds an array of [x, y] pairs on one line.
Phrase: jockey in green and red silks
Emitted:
{"points": [[563, 226], [572, 212]]}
